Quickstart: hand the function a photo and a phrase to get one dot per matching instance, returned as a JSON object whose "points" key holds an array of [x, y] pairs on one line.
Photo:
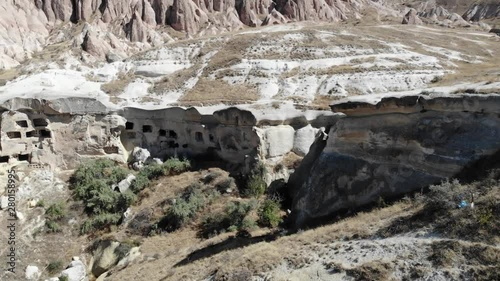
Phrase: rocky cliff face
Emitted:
{"points": [[393, 147], [480, 11]]}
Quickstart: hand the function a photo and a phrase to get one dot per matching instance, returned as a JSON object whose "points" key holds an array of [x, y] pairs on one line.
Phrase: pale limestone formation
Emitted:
{"points": [[25, 25], [412, 17], [61, 133]]}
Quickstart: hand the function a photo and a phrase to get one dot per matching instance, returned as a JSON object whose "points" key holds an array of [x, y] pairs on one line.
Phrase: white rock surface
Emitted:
{"points": [[76, 271], [124, 185], [140, 154], [278, 140], [4, 201], [303, 139], [131, 256], [32, 272]]}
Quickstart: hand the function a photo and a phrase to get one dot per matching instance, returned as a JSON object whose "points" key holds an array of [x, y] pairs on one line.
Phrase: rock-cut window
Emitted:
{"points": [[198, 136], [147, 129]]}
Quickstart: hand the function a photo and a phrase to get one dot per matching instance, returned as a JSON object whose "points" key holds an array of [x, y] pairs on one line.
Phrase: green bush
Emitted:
{"points": [[184, 209], [175, 166], [141, 181], [269, 213], [52, 226], [54, 267], [256, 186], [53, 214], [56, 211], [92, 183], [63, 278], [172, 166], [100, 221], [234, 218]]}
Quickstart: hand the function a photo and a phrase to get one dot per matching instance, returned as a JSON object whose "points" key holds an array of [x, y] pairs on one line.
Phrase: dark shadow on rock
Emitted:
{"points": [[480, 168], [227, 245]]}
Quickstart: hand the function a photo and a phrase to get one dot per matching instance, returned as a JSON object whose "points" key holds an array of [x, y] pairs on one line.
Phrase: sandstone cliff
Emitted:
{"points": [[394, 147]]}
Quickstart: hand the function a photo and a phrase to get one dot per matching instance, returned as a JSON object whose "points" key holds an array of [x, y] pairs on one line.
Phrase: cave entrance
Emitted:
{"points": [[40, 122], [22, 123], [45, 134], [147, 129], [14, 135], [24, 157]]}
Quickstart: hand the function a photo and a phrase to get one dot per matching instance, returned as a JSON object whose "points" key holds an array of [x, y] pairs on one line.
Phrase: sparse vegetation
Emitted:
{"points": [[269, 213], [235, 217], [53, 215], [54, 267], [92, 184], [256, 186]]}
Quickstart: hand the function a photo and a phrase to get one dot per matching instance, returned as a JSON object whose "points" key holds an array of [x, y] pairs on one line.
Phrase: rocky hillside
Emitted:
{"points": [[29, 26]]}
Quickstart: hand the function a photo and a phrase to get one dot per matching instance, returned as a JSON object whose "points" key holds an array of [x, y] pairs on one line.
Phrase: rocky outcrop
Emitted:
{"points": [[482, 11], [25, 25], [412, 17], [393, 147]]}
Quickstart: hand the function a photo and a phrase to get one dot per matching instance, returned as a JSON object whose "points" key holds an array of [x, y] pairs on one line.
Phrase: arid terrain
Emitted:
{"points": [[224, 140]]}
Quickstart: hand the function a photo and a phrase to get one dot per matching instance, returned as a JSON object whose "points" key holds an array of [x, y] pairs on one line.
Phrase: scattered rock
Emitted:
{"points": [[112, 57], [4, 202], [412, 18], [140, 155], [76, 271], [124, 185], [130, 257], [32, 272], [107, 255]]}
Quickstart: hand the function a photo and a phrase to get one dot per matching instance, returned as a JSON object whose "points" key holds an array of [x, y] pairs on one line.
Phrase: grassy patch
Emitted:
{"points": [[208, 91]]}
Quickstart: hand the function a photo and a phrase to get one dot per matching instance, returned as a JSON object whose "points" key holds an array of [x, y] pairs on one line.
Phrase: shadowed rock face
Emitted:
{"points": [[396, 149]]}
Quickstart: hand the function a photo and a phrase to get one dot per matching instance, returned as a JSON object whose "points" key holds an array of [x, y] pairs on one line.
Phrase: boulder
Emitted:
{"points": [[32, 272], [140, 155], [105, 257], [124, 185], [412, 18], [133, 254], [274, 17], [303, 139], [112, 57], [76, 271], [278, 140]]}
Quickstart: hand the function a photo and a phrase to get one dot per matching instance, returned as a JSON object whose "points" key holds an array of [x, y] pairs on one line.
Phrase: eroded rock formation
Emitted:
{"points": [[26, 26], [394, 147], [61, 132]]}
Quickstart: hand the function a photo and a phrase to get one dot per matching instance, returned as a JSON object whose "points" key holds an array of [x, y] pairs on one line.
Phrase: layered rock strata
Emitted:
{"points": [[393, 147], [61, 132]]}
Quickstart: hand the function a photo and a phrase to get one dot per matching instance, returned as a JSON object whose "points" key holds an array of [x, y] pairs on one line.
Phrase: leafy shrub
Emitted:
{"points": [[92, 183], [54, 267], [447, 195], [52, 226], [63, 278], [225, 184], [184, 209], [269, 213], [100, 221], [176, 166], [210, 177], [150, 172], [234, 218], [141, 181], [56, 211], [256, 186]]}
